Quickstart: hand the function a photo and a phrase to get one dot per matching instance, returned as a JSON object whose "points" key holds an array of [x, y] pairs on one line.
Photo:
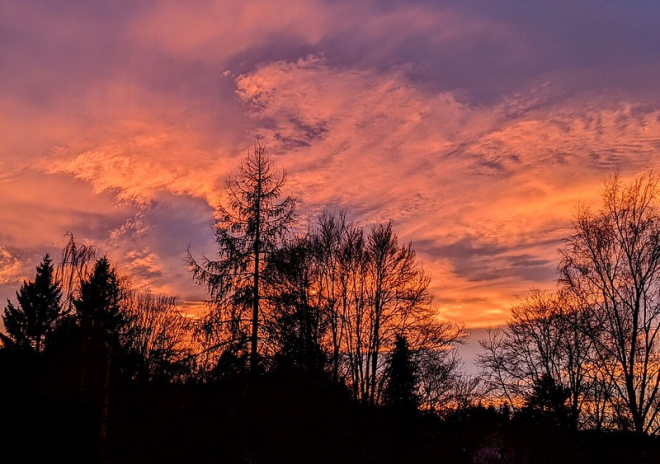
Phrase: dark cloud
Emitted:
{"points": [[477, 260]]}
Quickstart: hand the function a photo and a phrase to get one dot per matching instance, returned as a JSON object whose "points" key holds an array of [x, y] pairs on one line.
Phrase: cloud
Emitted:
{"points": [[474, 125], [10, 267], [487, 192], [218, 30]]}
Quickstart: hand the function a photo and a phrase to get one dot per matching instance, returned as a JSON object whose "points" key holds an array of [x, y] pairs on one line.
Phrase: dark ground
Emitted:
{"points": [[287, 418]]}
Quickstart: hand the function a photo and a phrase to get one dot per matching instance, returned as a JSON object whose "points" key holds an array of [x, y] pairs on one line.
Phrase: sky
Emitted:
{"points": [[475, 126]]}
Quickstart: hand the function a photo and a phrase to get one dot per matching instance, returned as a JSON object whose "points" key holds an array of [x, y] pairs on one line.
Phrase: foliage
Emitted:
{"points": [[402, 378], [39, 311]]}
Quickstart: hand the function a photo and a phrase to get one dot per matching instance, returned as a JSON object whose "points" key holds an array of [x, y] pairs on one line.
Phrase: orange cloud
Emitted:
{"points": [[476, 129], [494, 186]]}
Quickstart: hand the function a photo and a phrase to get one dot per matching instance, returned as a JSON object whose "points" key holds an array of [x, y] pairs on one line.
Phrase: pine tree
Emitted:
{"points": [[99, 306], [246, 233], [401, 390], [39, 310], [102, 322]]}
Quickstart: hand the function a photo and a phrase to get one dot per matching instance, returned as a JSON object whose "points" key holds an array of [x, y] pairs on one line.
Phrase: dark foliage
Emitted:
{"points": [[402, 377], [30, 324]]}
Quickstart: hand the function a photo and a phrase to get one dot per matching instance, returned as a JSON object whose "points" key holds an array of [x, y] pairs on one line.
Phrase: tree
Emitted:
{"points": [[336, 244], [372, 289], [611, 264], [73, 269], [440, 379], [296, 325], [39, 311], [246, 232], [402, 377], [398, 289], [545, 344], [549, 399], [101, 323], [99, 306], [156, 337]]}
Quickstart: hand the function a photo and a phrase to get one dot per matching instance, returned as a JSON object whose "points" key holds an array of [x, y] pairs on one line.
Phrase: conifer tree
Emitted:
{"points": [[29, 324], [99, 306], [246, 232], [401, 390], [102, 321]]}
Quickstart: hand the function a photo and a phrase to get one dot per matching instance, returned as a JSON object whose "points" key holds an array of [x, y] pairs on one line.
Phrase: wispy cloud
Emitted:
{"points": [[475, 126]]}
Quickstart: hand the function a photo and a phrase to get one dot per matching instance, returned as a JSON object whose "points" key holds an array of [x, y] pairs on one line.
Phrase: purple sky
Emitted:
{"points": [[475, 126]]}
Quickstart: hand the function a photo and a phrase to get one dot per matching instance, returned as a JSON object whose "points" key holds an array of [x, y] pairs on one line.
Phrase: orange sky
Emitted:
{"points": [[475, 127]]}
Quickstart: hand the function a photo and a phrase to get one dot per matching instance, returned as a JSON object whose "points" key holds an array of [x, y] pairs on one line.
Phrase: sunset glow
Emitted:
{"points": [[474, 126]]}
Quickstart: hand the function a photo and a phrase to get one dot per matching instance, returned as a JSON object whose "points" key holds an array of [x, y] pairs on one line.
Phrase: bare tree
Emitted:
{"points": [[73, 269], [384, 294], [398, 295], [545, 342], [158, 336], [438, 377], [335, 242], [611, 263], [249, 229]]}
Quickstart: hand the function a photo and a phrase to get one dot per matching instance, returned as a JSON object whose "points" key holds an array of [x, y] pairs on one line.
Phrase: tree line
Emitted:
{"points": [[589, 353], [331, 301], [340, 304]]}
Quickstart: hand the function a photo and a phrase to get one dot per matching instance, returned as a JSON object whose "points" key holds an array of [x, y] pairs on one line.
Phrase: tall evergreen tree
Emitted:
{"points": [[99, 306], [246, 232], [401, 390], [29, 324], [102, 322]]}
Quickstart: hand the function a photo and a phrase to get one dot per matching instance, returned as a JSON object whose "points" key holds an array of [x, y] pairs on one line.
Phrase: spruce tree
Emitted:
{"points": [[246, 232], [39, 310], [401, 390], [102, 322], [99, 306]]}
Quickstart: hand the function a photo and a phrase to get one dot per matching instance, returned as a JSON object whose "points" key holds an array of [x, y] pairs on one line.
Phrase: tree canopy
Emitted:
{"points": [[39, 310]]}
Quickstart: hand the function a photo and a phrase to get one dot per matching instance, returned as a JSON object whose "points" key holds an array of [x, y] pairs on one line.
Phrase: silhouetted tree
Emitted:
{"points": [[367, 289], [611, 264], [39, 310], [402, 377], [99, 306], [336, 244], [73, 268], [550, 399], [101, 322], [440, 380], [397, 298], [246, 232], [296, 324], [157, 337], [545, 341]]}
